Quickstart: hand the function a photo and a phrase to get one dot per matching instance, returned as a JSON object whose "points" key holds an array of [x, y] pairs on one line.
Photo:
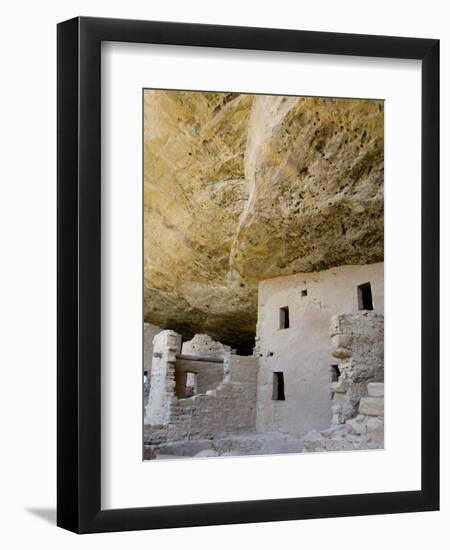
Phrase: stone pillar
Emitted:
{"points": [[166, 345], [149, 333]]}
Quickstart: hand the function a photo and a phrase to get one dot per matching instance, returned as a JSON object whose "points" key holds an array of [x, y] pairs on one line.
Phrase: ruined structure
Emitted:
{"points": [[263, 273], [318, 361], [206, 395]]}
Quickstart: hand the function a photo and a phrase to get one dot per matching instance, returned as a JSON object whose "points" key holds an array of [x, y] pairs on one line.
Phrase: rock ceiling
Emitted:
{"points": [[240, 188]]}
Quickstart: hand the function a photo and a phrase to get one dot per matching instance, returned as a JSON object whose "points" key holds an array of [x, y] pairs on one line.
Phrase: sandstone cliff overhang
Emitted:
{"points": [[240, 188]]}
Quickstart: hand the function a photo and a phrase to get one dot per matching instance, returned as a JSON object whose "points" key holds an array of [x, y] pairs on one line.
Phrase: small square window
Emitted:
{"points": [[304, 292]]}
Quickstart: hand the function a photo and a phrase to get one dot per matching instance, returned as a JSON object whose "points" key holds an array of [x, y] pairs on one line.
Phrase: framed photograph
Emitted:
{"points": [[248, 289]]}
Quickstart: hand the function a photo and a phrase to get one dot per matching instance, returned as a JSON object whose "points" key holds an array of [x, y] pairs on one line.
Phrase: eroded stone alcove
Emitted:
{"points": [[241, 188]]}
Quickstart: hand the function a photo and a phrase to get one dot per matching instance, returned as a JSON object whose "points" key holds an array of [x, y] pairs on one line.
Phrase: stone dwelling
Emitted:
{"points": [[314, 381], [294, 346], [250, 203]]}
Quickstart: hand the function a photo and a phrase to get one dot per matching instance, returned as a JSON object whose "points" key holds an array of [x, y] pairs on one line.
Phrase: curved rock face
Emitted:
{"points": [[240, 188]]}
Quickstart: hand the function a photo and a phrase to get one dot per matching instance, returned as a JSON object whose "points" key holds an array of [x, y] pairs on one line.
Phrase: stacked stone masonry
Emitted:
{"points": [[358, 347], [226, 401]]}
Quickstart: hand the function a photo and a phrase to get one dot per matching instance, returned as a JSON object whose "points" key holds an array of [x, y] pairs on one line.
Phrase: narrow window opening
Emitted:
{"points": [[145, 377], [278, 387], [191, 384], [365, 297], [284, 317], [185, 384], [304, 292], [334, 373]]}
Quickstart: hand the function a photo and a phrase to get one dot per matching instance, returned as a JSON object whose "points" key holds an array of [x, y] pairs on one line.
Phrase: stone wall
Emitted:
{"points": [[358, 347], [364, 431], [202, 344], [358, 394], [208, 375], [229, 407], [304, 352]]}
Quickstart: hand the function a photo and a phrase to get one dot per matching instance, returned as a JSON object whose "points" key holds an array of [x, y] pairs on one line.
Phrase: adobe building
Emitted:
{"points": [[296, 362]]}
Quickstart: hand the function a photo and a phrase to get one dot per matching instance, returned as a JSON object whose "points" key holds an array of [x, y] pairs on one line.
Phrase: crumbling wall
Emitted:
{"points": [[202, 344], [229, 407], [208, 374], [364, 431], [358, 347], [358, 394]]}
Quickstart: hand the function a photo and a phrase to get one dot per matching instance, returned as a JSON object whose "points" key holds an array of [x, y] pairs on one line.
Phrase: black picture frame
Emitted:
{"points": [[79, 281]]}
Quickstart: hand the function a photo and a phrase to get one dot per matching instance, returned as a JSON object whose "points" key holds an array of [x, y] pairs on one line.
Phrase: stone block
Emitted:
{"points": [[372, 406], [375, 389]]}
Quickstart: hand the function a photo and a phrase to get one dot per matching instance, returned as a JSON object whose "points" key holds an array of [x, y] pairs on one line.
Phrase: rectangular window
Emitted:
{"points": [[185, 384], [191, 384], [278, 387], [365, 297], [334, 373], [284, 317]]}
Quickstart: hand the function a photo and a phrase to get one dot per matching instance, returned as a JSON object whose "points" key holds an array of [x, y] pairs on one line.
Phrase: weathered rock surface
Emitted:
{"points": [[240, 188]]}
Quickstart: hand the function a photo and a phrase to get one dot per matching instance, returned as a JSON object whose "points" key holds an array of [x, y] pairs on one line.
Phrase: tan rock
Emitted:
{"points": [[239, 188]]}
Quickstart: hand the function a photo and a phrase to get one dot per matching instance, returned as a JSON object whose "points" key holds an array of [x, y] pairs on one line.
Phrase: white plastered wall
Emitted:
{"points": [[303, 352]]}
